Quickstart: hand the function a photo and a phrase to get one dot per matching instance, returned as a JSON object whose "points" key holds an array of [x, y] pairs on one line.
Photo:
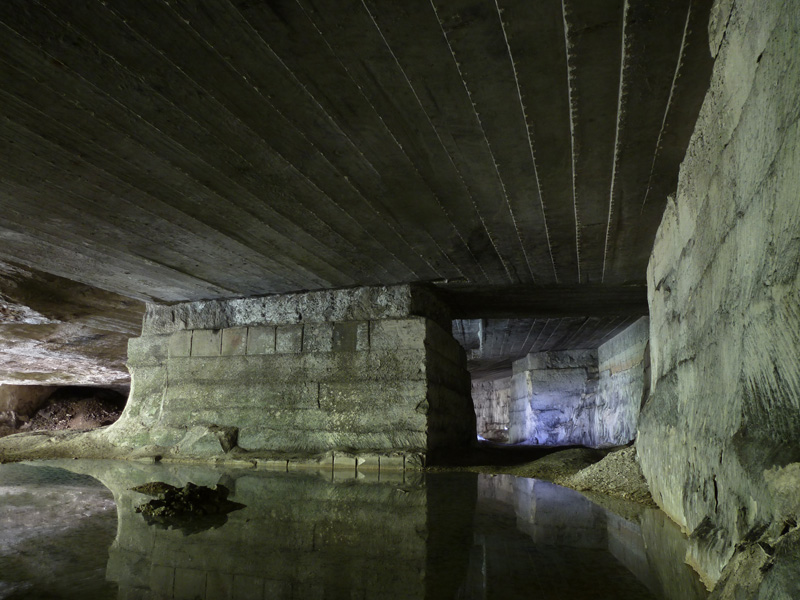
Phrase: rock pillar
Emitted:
{"points": [[624, 363], [553, 398], [368, 371], [491, 399]]}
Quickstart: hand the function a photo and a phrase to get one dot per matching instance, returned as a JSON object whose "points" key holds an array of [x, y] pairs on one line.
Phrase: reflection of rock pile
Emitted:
{"points": [[181, 507], [191, 499]]}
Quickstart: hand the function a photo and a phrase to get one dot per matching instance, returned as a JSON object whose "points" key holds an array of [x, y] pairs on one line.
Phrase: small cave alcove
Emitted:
{"points": [[25, 408]]}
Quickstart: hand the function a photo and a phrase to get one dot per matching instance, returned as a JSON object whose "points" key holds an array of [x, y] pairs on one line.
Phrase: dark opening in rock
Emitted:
{"points": [[69, 407]]}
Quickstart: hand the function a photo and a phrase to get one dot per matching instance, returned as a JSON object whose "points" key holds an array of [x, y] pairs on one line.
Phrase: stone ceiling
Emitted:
{"points": [[168, 151]]}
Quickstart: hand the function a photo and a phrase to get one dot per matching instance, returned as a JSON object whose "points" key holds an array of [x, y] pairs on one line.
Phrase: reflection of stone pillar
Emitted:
{"points": [[451, 499], [554, 396], [557, 516], [299, 536], [366, 369], [564, 545]]}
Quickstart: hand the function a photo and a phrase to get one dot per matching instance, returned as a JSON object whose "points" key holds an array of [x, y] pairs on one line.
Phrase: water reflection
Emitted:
{"points": [[534, 539], [55, 531], [321, 535]]}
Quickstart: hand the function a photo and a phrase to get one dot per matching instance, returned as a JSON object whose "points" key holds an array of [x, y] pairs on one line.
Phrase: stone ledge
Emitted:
{"points": [[309, 338], [351, 304], [343, 461], [567, 359]]}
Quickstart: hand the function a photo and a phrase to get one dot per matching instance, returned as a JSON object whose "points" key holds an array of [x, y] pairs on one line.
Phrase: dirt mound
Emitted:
{"points": [[558, 465], [74, 414], [618, 474]]}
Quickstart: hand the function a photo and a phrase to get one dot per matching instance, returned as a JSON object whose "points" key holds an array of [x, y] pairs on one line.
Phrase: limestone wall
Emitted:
{"points": [[624, 364], [553, 398], [381, 385], [491, 400], [719, 436]]}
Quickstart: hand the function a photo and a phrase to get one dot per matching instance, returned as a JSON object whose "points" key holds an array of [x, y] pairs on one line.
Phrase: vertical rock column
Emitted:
{"points": [[368, 371], [553, 398], [491, 399], [624, 363]]}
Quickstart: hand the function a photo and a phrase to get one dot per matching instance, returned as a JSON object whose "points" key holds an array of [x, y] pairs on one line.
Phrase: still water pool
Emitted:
{"points": [[69, 530]]}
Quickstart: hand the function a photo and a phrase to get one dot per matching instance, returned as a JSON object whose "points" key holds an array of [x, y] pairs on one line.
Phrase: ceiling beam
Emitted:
{"points": [[505, 302]]}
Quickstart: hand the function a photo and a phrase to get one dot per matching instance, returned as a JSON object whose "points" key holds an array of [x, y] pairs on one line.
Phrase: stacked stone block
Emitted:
{"points": [[390, 385], [584, 397], [553, 398]]}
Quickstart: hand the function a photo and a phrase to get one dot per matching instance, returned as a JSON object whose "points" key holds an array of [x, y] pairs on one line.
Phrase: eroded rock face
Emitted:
{"points": [[20, 402], [54, 331], [724, 283]]}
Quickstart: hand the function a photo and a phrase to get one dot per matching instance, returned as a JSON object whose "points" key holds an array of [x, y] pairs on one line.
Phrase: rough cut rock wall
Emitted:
{"points": [[491, 399], [553, 399], [719, 440], [624, 364], [559, 399], [285, 379], [54, 331]]}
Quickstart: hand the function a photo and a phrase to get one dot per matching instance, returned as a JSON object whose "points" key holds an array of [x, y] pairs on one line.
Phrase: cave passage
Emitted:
{"points": [[556, 396]]}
